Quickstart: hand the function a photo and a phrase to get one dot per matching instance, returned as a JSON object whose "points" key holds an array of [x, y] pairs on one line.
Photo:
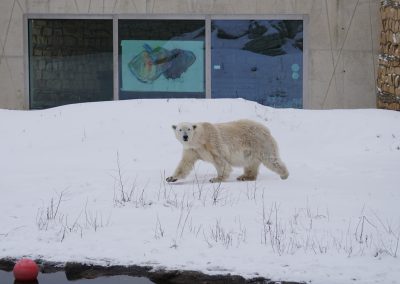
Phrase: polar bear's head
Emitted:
{"points": [[184, 132]]}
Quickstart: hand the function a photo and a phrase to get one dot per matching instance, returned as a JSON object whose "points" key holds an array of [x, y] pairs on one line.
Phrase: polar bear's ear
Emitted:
{"points": [[173, 127], [194, 126]]}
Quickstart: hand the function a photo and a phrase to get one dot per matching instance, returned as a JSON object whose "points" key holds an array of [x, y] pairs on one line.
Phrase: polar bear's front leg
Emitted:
{"points": [[223, 169], [189, 158]]}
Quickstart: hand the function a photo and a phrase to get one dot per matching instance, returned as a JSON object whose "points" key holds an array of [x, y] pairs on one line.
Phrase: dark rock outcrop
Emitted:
{"points": [[268, 45]]}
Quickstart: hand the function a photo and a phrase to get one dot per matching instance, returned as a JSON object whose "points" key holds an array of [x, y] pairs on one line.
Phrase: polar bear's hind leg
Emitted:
{"points": [[276, 165], [250, 172]]}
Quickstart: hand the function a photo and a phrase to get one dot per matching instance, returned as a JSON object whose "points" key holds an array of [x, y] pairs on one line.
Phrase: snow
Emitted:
{"points": [[336, 219]]}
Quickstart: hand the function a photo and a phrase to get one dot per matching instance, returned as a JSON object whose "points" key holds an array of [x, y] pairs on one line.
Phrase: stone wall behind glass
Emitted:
{"points": [[70, 61]]}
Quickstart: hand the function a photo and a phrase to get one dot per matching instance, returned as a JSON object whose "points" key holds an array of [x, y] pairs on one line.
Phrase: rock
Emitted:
{"points": [[7, 264], [293, 27], [267, 45], [75, 271], [256, 30], [194, 277], [231, 30], [298, 40], [280, 26]]}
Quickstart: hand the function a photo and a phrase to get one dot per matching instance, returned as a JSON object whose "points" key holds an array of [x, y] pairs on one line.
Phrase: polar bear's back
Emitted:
{"points": [[245, 134], [243, 129]]}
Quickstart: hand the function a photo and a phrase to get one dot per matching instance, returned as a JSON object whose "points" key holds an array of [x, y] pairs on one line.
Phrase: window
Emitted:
{"points": [[70, 61], [119, 57], [259, 60], [161, 58]]}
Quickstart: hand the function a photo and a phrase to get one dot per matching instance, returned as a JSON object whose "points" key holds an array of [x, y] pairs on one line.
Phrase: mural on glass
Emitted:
{"points": [[173, 66], [161, 59], [258, 60]]}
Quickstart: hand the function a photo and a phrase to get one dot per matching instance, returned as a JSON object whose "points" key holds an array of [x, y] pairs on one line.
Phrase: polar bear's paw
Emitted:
{"points": [[171, 179], [215, 180], [246, 178]]}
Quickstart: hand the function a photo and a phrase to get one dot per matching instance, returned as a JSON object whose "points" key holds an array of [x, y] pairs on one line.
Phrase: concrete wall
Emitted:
{"points": [[342, 47]]}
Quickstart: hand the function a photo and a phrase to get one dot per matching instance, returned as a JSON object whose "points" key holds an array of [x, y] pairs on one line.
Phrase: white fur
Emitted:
{"points": [[241, 143]]}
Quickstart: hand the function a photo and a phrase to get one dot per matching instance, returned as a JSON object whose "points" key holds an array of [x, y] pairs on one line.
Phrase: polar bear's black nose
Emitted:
{"points": [[185, 138]]}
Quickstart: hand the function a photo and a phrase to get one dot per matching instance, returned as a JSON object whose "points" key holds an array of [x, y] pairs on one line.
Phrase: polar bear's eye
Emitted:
{"points": [[180, 130], [189, 129]]}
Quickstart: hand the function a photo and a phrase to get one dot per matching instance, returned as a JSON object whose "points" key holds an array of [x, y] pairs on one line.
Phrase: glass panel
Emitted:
{"points": [[259, 60], [161, 59], [70, 61]]}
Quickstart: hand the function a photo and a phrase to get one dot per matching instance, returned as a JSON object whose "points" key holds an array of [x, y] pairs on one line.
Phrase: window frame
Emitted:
{"points": [[207, 53]]}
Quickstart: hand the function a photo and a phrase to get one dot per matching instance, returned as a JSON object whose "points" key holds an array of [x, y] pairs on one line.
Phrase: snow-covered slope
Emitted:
{"points": [[86, 183]]}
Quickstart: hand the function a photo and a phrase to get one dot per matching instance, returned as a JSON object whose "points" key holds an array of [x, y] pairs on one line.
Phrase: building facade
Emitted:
{"points": [[313, 54]]}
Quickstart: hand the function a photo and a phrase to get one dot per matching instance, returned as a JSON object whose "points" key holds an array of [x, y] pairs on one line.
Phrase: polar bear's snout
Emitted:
{"points": [[185, 137]]}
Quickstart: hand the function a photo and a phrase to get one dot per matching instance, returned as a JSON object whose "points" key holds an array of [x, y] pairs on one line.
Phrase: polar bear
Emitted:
{"points": [[242, 143]]}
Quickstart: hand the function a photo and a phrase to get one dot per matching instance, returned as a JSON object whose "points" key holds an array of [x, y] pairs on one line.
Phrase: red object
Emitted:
{"points": [[25, 270]]}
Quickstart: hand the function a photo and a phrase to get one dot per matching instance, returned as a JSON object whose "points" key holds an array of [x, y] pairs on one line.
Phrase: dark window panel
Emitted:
{"points": [[70, 61]]}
